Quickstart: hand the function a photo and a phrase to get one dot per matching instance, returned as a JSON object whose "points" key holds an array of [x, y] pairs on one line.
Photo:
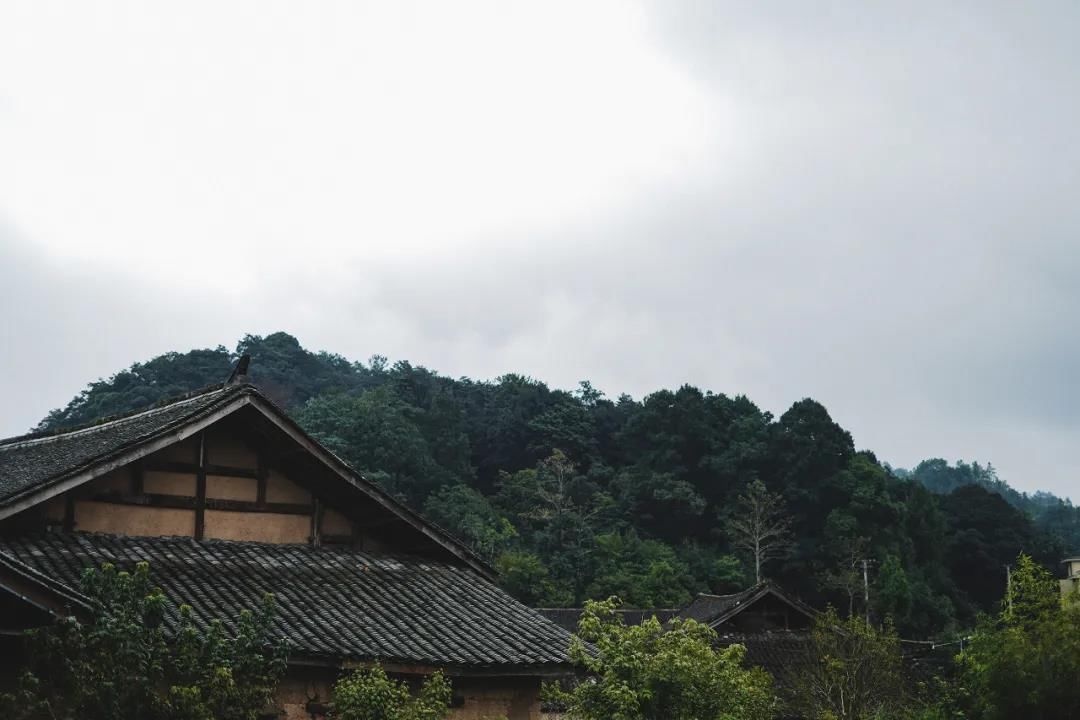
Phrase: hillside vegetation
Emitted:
{"points": [[576, 495]]}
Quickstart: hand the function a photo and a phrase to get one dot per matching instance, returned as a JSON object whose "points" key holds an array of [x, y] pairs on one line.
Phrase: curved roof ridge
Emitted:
{"points": [[45, 435]]}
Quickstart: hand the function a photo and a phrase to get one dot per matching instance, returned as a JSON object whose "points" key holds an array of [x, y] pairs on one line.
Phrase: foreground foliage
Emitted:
{"points": [[1025, 661], [850, 671], [368, 694], [644, 673], [119, 665]]}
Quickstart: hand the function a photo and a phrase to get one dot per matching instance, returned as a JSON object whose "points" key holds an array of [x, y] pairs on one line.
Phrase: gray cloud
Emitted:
{"points": [[892, 229]]}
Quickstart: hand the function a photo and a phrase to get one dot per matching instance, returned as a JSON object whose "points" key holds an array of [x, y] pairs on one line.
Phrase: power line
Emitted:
{"points": [[933, 645]]}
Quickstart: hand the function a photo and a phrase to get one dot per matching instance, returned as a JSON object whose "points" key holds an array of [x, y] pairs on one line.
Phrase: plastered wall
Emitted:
{"points": [[168, 483], [280, 489], [484, 699], [232, 488], [116, 519], [257, 527], [106, 504], [514, 699]]}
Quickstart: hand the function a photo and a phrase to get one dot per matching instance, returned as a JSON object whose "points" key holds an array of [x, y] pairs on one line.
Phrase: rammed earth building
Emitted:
{"points": [[227, 498]]}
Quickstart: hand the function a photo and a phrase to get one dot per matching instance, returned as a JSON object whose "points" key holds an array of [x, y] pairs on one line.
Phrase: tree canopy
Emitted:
{"points": [[577, 495], [647, 672], [1024, 660]]}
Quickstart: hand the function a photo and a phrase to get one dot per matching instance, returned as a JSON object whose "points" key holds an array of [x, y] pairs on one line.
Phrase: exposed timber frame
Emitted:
{"points": [[261, 475], [193, 469], [196, 424], [184, 502], [69, 513], [316, 522]]}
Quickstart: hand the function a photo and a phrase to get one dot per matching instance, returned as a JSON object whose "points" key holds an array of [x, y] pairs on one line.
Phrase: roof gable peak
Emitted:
{"points": [[36, 470]]}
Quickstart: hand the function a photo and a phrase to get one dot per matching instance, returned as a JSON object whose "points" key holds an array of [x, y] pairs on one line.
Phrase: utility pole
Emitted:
{"points": [[866, 589], [1008, 587]]}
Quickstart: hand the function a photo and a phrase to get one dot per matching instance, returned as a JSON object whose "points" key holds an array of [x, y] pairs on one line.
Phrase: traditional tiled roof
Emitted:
{"points": [[714, 610], [706, 608], [33, 465], [781, 652], [332, 603], [35, 461], [568, 618]]}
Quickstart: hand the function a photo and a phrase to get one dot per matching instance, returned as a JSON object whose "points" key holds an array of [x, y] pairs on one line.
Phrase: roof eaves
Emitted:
{"points": [[531, 669], [115, 457], [99, 423], [47, 584]]}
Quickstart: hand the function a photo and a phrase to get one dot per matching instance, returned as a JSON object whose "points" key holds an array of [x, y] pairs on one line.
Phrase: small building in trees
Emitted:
{"points": [[771, 625], [227, 498], [1070, 585]]}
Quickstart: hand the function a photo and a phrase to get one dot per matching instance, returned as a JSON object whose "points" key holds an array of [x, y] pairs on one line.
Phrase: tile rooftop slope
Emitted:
{"points": [[706, 608], [32, 461], [331, 603], [782, 653], [72, 598]]}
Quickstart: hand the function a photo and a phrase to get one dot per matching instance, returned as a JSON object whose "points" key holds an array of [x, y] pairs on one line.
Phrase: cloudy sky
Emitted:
{"points": [[872, 204]]}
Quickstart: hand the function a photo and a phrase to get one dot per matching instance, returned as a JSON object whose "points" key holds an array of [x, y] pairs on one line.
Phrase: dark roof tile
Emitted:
{"points": [[29, 462], [706, 608], [331, 602], [783, 653]]}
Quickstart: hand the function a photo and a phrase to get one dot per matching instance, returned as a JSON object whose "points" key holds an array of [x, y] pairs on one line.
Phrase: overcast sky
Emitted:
{"points": [[875, 205]]}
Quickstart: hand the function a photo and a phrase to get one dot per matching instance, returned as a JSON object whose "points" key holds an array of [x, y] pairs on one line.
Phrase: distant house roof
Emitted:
{"points": [[711, 610], [782, 653], [714, 610], [568, 618], [333, 604], [36, 467], [705, 608]]}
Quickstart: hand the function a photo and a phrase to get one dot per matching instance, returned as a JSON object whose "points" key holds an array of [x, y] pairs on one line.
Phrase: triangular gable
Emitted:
{"points": [[716, 610], [34, 470]]}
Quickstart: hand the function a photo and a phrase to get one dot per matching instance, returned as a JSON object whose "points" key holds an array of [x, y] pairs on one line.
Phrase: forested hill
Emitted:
{"points": [[575, 494]]}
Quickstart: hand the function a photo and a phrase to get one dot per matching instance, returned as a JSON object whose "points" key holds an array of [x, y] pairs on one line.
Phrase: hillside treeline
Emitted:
{"points": [[576, 495]]}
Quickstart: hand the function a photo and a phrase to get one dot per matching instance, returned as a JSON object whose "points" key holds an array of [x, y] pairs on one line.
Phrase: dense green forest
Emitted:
{"points": [[576, 495]]}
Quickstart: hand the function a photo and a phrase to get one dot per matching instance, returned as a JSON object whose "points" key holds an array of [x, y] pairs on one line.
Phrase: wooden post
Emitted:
{"points": [[200, 488], [261, 474], [316, 522], [137, 477], [69, 512]]}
